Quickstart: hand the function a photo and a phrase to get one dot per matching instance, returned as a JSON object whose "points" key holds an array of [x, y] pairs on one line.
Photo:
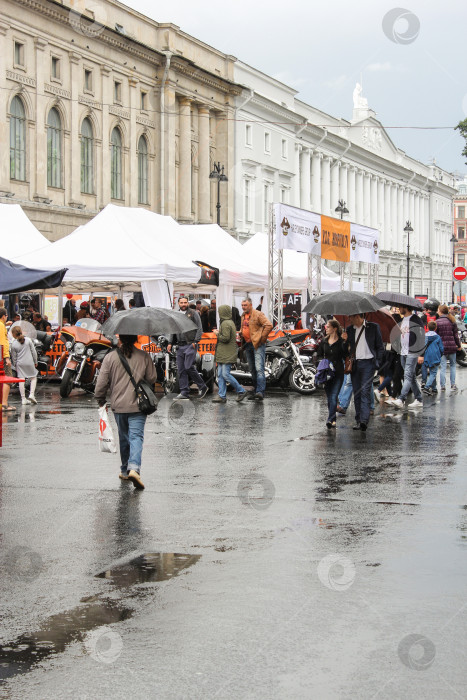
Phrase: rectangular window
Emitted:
{"points": [[144, 100], [461, 232], [461, 212], [461, 259], [248, 135], [19, 53], [55, 68], [117, 91], [247, 200], [284, 148], [267, 142], [284, 195], [266, 205], [88, 80]]}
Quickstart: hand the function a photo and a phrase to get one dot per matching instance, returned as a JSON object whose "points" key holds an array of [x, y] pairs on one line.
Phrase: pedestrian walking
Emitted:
{"points": [[5, 388], [434, 350], [410, 346], [334, 349], [186, 354], [254, 330], [24, 361], [226, 354], [386, 372], [449, 334], [113, 379], [365, 346]]}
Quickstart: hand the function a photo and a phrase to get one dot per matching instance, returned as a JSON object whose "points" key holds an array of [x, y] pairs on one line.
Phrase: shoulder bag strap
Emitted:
{"points": [[359, 336], [127, 367]]}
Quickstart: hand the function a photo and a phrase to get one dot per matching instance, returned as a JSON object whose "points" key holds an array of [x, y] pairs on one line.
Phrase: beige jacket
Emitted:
{"points": [[260, 327], [113, 377]]}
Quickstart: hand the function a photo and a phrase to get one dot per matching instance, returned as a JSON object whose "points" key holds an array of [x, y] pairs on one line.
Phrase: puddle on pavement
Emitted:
{"points": [[58, 631], [149, 568]]}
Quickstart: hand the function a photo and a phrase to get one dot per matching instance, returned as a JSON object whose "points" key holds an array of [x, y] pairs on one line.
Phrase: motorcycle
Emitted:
{"points": [[86, 348], [43, 344], [461, 355], [166, 367], [310, 347], [284, 365]]}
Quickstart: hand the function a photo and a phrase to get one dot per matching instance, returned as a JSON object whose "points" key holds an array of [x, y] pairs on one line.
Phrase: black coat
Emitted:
{"points": [[372, 337]]}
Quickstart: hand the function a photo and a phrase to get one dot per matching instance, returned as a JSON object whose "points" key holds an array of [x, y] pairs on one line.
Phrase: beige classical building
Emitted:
{"points": [[100, 104]]}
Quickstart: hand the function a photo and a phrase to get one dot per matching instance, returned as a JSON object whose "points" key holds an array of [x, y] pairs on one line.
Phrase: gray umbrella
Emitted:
{"points": [[343, 303], [396, 299], [147, 320], [27, 328]]}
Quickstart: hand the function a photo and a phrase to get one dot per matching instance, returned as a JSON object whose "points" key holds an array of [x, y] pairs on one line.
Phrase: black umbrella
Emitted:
{"points": [[343, 303], [17, 278], [396, 299], [148, 320]]}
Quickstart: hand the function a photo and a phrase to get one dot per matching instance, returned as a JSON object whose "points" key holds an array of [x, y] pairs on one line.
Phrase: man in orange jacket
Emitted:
{"points": [[254, 330]]}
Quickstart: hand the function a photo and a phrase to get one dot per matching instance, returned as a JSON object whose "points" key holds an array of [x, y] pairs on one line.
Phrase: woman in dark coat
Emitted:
{"points": [[334, 349], [446, 327]]}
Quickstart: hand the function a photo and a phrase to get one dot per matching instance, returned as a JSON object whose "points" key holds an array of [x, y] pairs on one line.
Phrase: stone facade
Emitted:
{"points": [[289, 151], [143, 112], [460, 233]]}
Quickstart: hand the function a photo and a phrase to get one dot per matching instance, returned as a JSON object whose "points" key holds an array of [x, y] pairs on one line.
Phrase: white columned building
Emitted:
{"points": [[353, 160]]}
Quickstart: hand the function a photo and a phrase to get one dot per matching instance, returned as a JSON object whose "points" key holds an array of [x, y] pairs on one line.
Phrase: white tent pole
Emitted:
{"points": [[60, 306]]}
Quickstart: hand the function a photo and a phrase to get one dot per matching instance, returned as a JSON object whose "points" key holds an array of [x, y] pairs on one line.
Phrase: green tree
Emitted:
{"points": [[462, 126]]}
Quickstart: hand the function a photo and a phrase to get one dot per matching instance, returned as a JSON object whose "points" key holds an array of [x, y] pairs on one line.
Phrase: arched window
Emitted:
{"points": [[17, 140], [143, 171], [116, 165], [54, 149], [87, 157]]}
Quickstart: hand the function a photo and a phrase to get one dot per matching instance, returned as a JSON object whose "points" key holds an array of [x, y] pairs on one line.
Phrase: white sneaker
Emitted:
{"points": [[32, 399], [25, 402], [377, 394], [397, 403], [415, 404]]}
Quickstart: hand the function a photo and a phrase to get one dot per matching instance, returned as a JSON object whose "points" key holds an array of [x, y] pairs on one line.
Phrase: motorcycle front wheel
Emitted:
{"points": [[461, 358], [171, 386], [66, 384], [303, 380]]}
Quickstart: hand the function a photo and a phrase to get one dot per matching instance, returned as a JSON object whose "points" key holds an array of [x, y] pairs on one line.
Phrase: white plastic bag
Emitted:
{"points": [[106, 436]]}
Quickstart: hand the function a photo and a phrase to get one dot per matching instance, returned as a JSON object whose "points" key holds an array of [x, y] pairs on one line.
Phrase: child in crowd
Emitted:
{"points": [[434, 350], [24, 361]]}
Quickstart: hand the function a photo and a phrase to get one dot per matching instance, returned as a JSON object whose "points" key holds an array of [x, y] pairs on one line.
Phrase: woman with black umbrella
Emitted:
{"points": [[334, 349]]}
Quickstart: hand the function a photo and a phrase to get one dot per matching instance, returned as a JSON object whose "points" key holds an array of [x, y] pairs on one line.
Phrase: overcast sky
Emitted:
{"points": [[414, 67]]}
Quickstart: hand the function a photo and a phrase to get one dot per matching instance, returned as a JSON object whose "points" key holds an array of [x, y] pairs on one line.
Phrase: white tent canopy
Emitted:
{"points": [[120, 247], [18, 235]]}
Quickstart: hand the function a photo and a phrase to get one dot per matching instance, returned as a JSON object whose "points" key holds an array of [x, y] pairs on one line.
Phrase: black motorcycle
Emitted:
{"points": [[43, 343], [461, 355], [165, 363], [284, 366]]}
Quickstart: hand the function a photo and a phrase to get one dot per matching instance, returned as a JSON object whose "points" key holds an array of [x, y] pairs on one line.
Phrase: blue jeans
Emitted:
{"points": [[362, 384], [186, 358], [345, 394], [256, 364], [452, 369], [224, 376], [332, 389], [130, 436], [386, 384], [424, 373], [431, 383], [409, 364]]}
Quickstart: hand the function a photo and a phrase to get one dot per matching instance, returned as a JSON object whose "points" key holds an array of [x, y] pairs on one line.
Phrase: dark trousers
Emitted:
{"points": [[332, 389], [362, 384], [186, 357]]}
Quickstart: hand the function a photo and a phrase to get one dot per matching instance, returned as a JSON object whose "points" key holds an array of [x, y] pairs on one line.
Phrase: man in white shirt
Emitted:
{"points": [[410, 346], [366, 346]]}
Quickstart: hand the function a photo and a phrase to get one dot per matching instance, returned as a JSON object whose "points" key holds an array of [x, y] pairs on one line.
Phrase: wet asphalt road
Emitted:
{"points": [[310, 564]]}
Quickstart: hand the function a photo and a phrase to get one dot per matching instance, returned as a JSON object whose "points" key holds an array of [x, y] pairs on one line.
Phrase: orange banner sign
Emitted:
{"points": [[335, 239]]}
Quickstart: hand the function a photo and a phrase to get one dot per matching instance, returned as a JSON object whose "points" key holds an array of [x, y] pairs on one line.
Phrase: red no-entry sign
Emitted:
{"points": [[460, 273]]}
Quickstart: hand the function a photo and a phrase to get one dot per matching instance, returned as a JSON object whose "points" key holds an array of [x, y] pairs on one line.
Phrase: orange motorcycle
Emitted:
{"points": [[86, 348]]}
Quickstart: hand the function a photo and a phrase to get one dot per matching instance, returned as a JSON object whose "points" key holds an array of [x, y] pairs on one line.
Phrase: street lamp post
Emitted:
{"points": [[341, 208], [408, 230], [453, 241], [218, 174]]}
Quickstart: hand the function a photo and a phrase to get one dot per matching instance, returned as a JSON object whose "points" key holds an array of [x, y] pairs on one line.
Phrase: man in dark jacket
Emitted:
{"points": [[186, 354], [365, 345], [410, 344]]}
